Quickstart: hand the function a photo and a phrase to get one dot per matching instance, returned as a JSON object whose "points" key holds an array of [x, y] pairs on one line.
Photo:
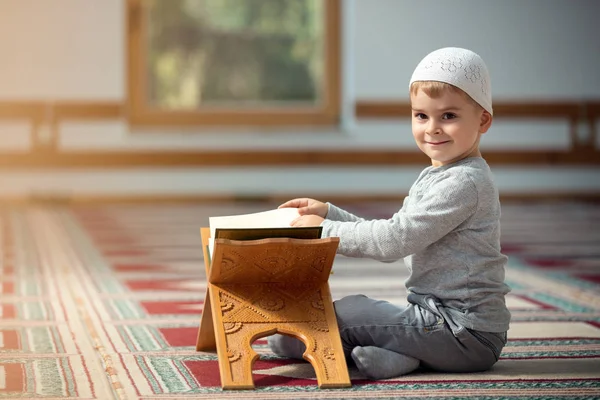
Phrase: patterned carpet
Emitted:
{"points": [[103, 302]]}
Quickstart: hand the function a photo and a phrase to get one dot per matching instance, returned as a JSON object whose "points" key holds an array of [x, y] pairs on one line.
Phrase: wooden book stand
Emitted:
{"points": [[261, 287]]}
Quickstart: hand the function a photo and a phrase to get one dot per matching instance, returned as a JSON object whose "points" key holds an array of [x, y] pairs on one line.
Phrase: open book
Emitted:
{"points": [[260, 225]]}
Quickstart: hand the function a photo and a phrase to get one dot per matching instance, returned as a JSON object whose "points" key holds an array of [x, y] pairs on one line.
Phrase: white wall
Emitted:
{"points": [[535, 49], [75, 50], [62, 50]]}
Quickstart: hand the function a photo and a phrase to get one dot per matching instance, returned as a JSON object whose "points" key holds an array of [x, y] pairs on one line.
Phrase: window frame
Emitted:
{"points": [[141, 114]]}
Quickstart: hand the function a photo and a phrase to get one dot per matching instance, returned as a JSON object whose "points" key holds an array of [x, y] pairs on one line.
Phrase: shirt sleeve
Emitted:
{"points": [[442, 208], [335, 213]]}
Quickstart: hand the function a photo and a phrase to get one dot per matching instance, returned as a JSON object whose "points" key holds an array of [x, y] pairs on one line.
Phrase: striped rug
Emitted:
{"points": [[103, 302]]}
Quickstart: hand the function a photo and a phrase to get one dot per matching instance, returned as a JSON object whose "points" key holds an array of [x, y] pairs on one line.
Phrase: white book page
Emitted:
{"points": [[278, 218]]}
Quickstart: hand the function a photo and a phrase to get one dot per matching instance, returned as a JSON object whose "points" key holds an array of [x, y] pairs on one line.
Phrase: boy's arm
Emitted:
{"points": [[443, 208]]}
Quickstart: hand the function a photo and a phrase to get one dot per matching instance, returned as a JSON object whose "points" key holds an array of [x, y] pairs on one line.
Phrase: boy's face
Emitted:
{"points": [[448, 128]]}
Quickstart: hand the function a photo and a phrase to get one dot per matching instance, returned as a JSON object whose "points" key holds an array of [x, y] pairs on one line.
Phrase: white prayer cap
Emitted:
{"points": [[458, 67]]}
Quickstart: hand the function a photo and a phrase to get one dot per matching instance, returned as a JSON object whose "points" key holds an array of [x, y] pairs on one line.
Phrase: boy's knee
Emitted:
{"points": [[349, 307], [349, 303]]}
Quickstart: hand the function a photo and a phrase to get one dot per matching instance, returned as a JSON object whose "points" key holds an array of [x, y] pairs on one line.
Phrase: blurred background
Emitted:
{"points": [[191, 100]]}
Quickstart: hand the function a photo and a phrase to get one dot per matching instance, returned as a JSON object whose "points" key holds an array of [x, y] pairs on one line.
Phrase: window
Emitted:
{"points": [[232, 62]]}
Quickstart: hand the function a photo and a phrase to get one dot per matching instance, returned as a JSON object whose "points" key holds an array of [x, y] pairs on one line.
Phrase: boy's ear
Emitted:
{"points": [[485, 122]]}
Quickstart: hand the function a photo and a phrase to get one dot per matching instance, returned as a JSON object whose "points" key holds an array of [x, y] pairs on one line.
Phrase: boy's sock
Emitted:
{"points": [[377, 363], [286, 346]]}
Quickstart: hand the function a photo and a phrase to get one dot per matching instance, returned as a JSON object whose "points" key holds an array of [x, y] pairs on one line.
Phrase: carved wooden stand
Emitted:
{"points": [[261, 287]]}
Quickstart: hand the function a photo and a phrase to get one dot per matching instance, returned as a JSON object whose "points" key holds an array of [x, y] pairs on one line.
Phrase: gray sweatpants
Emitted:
{"points": [[421, 330]]}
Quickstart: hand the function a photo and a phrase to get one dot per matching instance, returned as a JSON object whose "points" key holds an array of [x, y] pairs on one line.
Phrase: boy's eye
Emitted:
{"points": [[448, 116], [420, 116]]}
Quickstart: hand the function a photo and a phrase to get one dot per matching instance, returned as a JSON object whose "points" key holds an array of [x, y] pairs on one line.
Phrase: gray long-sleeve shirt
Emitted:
{"points": [[448, 232]]}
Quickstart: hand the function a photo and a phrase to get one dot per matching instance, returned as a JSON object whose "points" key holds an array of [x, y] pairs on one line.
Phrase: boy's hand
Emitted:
{"points": [[307, 207], [307, 220]]}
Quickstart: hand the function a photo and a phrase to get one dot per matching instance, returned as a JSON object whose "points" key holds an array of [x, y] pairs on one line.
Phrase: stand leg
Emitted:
{"points": [[206, 333], [236, 363], [328, 360]]}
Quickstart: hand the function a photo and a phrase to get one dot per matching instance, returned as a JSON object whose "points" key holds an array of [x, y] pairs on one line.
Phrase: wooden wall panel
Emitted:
{"points": [[46, 154]]}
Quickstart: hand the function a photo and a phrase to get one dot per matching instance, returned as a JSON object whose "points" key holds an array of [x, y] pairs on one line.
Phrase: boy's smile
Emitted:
{"points": [[438, 143], [447, 128]]}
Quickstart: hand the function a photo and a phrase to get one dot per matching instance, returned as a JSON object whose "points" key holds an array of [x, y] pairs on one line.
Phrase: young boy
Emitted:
{"points": [[447, 232]]}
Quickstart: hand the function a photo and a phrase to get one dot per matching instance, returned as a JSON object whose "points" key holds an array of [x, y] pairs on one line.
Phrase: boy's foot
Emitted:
{"points": [[377, 363], [286, 346]]}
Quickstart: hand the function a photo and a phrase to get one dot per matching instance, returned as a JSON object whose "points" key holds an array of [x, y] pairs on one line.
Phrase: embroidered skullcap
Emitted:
{"points": [[461, 68]]}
